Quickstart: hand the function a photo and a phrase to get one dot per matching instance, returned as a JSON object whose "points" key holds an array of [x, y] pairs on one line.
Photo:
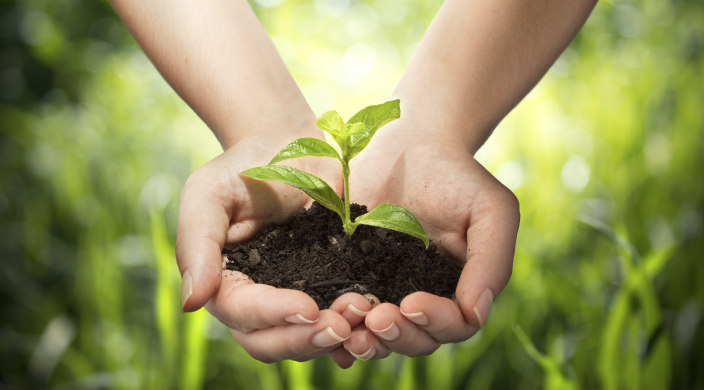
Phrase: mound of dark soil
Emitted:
{"points": [[311, 253]]}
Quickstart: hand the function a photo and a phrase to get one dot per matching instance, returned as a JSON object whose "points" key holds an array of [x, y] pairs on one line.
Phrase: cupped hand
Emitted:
{"points": [[465, 211], [219, 206]]}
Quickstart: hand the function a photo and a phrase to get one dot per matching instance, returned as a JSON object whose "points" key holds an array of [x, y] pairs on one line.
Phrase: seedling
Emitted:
{"points": [[344, 142]]}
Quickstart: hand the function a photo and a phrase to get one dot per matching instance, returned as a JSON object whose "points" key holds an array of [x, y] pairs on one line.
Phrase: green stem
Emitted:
{"points": [[347, 221]]}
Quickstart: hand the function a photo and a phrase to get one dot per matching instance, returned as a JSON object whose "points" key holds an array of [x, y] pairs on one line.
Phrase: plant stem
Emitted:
{"points": [[347, 222]]}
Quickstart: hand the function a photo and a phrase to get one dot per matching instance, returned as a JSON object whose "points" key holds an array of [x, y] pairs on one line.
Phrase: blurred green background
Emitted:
{"points": [[606, 156]]}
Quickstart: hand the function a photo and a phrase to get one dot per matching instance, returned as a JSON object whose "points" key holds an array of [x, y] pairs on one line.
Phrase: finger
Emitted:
{"points": [[397, 333], [353, 307], [342, 358], [246, 306], [491, 242], [296, 342], [440, 317], [203, 221], [363, 345]]}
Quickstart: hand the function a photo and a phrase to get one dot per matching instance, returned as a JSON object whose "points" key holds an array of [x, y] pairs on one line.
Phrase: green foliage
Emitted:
{"points": [[391, 216], [312, 185], [305, 147], [349, 139], [605, 156]]}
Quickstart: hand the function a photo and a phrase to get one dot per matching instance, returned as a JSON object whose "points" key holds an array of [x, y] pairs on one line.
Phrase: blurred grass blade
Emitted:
{"points": [[649, 306], [630, 363], [655, 261], [625, 247], [165, 294], [610, 357], [55, 339], [554, 377], [299, 374], [406, 380], [657, 369], [439, 368], [270, 376], [193, 350]]}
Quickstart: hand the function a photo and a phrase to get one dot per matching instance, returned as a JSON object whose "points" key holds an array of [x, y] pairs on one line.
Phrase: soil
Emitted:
{"points": [[311, 253]]}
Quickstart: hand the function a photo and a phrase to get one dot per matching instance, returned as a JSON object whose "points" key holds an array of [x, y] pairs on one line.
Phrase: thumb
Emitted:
{"points": [[491, 242], [203, 223]]}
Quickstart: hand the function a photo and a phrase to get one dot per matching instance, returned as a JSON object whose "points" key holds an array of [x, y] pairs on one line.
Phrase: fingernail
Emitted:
{"points": [[356, 311], [186, 288], [390, 333], [483, 305], [418, 318], [326, 338], [365, 356], [299, 319]]}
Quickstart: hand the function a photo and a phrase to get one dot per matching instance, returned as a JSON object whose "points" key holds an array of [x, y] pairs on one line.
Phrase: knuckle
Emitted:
{"points": [[506, 197], [262, 357], [460, 335], [512, 199], [427, 350], [193, 181], [301, 359]]}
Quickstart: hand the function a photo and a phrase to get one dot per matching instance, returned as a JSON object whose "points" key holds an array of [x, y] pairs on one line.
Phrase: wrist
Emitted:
{"points": [[262, 146], [409, 132], [275, 128], [425, 122]]}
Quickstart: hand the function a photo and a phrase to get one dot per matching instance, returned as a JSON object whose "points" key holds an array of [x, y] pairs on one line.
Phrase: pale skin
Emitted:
{"points": [[476, 62]]}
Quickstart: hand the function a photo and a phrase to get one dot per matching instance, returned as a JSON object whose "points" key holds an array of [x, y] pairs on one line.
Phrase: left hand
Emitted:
{"points": [[465, 211]]}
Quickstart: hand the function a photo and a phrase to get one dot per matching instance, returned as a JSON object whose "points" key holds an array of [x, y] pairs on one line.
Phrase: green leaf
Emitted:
{"points": [[332, 142], [305, 147], [333, 123], [378, 115], [394, 217], [357, 143], [312, 185], [373, 117], [356, 128]]}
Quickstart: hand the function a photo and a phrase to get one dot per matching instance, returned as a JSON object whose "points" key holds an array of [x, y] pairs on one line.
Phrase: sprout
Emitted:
{"points": [[347, 140]]}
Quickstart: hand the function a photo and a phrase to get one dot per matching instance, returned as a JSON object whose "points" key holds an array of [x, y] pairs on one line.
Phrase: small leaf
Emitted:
{"points": [[312, 185], [378, 115], [373, 117], [357, 143], [305, 147], [394, 217], [333, 123], [356, 128], [331, 141]]}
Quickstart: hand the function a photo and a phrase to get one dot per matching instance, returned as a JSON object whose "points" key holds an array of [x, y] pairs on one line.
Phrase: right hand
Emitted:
{"points": [[219, 206]]}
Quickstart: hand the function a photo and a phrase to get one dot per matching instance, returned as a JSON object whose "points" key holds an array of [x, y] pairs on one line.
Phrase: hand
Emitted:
{"points": [[467, 213], [219, 206]]}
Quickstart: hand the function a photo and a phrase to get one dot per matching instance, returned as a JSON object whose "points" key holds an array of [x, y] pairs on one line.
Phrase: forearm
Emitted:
{"points": [[479, 58], [219, 59]]}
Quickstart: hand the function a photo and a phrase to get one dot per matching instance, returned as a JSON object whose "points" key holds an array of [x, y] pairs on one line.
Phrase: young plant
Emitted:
{"points": [[344, 142]]}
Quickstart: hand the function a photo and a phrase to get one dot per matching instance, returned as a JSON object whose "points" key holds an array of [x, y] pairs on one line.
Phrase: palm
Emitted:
{"points": [[439, 182], [220, 206], [465, 211]]}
